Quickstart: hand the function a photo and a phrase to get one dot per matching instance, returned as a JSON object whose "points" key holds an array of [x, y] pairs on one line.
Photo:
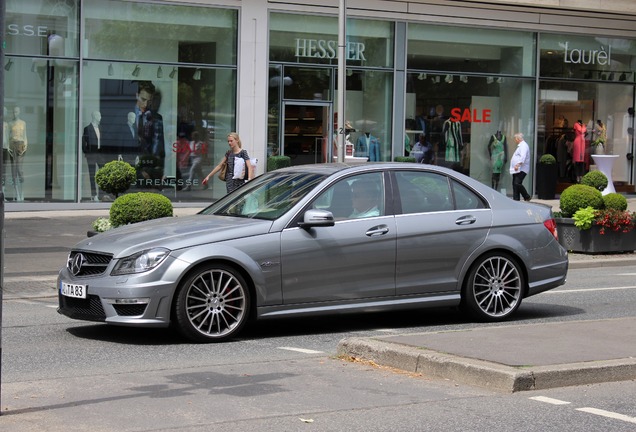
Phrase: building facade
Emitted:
{"points": [[161, 84]]}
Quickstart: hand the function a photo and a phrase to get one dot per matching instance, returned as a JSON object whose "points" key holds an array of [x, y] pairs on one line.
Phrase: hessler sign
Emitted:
{"points": [[320, 48], [578, 56]]}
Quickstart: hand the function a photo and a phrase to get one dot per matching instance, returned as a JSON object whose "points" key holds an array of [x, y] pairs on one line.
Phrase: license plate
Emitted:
{"points": [[73, 290]]}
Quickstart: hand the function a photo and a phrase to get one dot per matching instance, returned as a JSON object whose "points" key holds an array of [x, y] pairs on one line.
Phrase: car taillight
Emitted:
{"points": [[550, 224]]}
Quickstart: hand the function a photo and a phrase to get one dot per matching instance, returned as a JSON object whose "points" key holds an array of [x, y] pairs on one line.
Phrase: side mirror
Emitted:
{"points": [[317, 218]]}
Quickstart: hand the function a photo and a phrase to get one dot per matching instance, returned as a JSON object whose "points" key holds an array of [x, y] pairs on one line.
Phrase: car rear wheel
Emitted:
{"points": [[212, 304], [494, 288]]}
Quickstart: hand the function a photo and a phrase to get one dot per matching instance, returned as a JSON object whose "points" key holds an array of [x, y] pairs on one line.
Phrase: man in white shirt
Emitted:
{"points": [[519, 168]]}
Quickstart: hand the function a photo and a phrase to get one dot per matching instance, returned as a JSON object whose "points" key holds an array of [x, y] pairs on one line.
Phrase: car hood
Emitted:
{"points": [[173, 233]]}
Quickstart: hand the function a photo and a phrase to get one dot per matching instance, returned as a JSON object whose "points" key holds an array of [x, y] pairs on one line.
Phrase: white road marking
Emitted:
{"points": [[549, 400], [568, 291], [301, 350], [608, 414]]}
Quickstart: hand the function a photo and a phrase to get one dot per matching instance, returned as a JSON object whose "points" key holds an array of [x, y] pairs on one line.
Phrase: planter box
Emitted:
{"points": [[546, 181], [592, 241]]}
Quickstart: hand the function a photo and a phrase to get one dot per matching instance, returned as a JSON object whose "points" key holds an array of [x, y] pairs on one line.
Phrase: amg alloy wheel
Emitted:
{"points": [[494, 288], [212, 305]]}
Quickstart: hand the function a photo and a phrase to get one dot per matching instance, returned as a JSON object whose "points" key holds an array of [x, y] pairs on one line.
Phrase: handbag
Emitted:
{"points": [[223, 171]]}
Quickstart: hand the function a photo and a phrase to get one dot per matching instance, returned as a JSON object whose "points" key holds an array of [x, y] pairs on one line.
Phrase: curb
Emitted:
{"points": [[485, 374]]}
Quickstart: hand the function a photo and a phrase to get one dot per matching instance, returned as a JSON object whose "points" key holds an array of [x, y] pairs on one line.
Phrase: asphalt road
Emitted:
{"points": [[64, 375]]}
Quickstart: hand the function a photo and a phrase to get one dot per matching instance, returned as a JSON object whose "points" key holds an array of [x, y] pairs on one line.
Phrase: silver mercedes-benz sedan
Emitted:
{"points": [[319, 239]]}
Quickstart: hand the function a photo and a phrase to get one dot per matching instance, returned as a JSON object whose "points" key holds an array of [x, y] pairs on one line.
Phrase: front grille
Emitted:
{"points": [[130, 310], [89, 309], [93, 264]]}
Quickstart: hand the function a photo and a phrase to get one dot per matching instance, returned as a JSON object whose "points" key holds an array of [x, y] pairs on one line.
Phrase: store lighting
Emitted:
{"points": [[173, 73], [490, 80], [421, 77], [136, 71], [500, 80], [463, 78], [449, 79], [197, 75], [435, 79], [111, 71], [159, 73], [8, 65]]}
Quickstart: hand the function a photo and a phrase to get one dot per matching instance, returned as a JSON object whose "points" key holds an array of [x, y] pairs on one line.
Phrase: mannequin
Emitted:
{"points": [[18, 144], [578, 149], [452, 134], [368, 146], [497, 149], [600, 132], [92, 148]]}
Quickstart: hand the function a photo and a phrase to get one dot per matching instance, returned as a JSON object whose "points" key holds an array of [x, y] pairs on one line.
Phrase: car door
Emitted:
{"points": [[441, 222], [351, 260]]}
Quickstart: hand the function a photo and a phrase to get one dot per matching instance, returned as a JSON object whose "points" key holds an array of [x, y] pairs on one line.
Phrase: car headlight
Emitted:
{"points": [[140, 262]]}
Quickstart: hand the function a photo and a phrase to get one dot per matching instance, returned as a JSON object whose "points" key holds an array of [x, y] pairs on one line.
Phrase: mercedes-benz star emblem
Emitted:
{"points": [[77, 263]]}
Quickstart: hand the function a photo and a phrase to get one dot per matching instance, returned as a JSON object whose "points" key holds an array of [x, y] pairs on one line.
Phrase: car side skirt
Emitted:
{"points": [[362, 305]]}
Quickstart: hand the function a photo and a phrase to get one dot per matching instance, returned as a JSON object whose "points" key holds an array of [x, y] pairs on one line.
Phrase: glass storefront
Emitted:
{"points": [[589, 81], [302, 88], [468, 91], [144, 83]]}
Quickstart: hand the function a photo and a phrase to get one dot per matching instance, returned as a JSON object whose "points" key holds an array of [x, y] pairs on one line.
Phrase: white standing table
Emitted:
{"points": [[605, 163]]}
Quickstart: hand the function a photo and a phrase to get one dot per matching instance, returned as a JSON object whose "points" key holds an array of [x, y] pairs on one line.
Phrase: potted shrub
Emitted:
{"points": [[115, 177], [139, 207], [404, 159], [132, 208], [547, 174], [596, 179], [276, 162], [593, 223]]}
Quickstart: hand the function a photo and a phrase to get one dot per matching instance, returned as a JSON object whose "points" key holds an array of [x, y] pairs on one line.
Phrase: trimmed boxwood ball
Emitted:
{"points": [[115, 177], [276, 162], [547, 159], [596, 179], [580, 196], [404, 159], [615, 201], [139, 207]]}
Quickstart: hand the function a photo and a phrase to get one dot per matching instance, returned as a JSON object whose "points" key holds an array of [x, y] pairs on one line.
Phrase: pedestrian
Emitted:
{"points": [[519, 168], [235, 152], [198, 150]]}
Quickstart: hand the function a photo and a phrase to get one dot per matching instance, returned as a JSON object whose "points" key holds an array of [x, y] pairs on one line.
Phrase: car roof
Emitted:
{"points": [[332, 168]]}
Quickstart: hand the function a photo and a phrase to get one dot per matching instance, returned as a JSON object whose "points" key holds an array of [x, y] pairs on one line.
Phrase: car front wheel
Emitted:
{"points": [[212, 304], [494, 288]]}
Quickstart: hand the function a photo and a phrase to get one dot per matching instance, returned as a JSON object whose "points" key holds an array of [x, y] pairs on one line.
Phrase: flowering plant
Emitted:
{"points": [[615, 220], [102, 224]]}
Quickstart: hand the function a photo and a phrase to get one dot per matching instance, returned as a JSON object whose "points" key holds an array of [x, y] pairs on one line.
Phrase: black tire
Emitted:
{"points": [[212, 304], [494, 288]]}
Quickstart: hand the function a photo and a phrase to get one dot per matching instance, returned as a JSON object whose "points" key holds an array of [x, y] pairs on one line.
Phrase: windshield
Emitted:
{"points": [[267, 197]]}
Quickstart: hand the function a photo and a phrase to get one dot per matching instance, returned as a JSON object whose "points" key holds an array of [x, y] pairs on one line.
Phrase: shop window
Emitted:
{"points": [[470, 50], [458, 114], [152, 32], [154, 117]]}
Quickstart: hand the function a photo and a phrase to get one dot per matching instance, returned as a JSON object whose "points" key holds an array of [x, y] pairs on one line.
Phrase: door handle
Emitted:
{"points": [[466, 220], [377, 230]]}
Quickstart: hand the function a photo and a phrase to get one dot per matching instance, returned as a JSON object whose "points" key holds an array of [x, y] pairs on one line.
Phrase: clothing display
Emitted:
{"points": [[452, 134], [578, 148], [368, 146], [498, 152]]}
